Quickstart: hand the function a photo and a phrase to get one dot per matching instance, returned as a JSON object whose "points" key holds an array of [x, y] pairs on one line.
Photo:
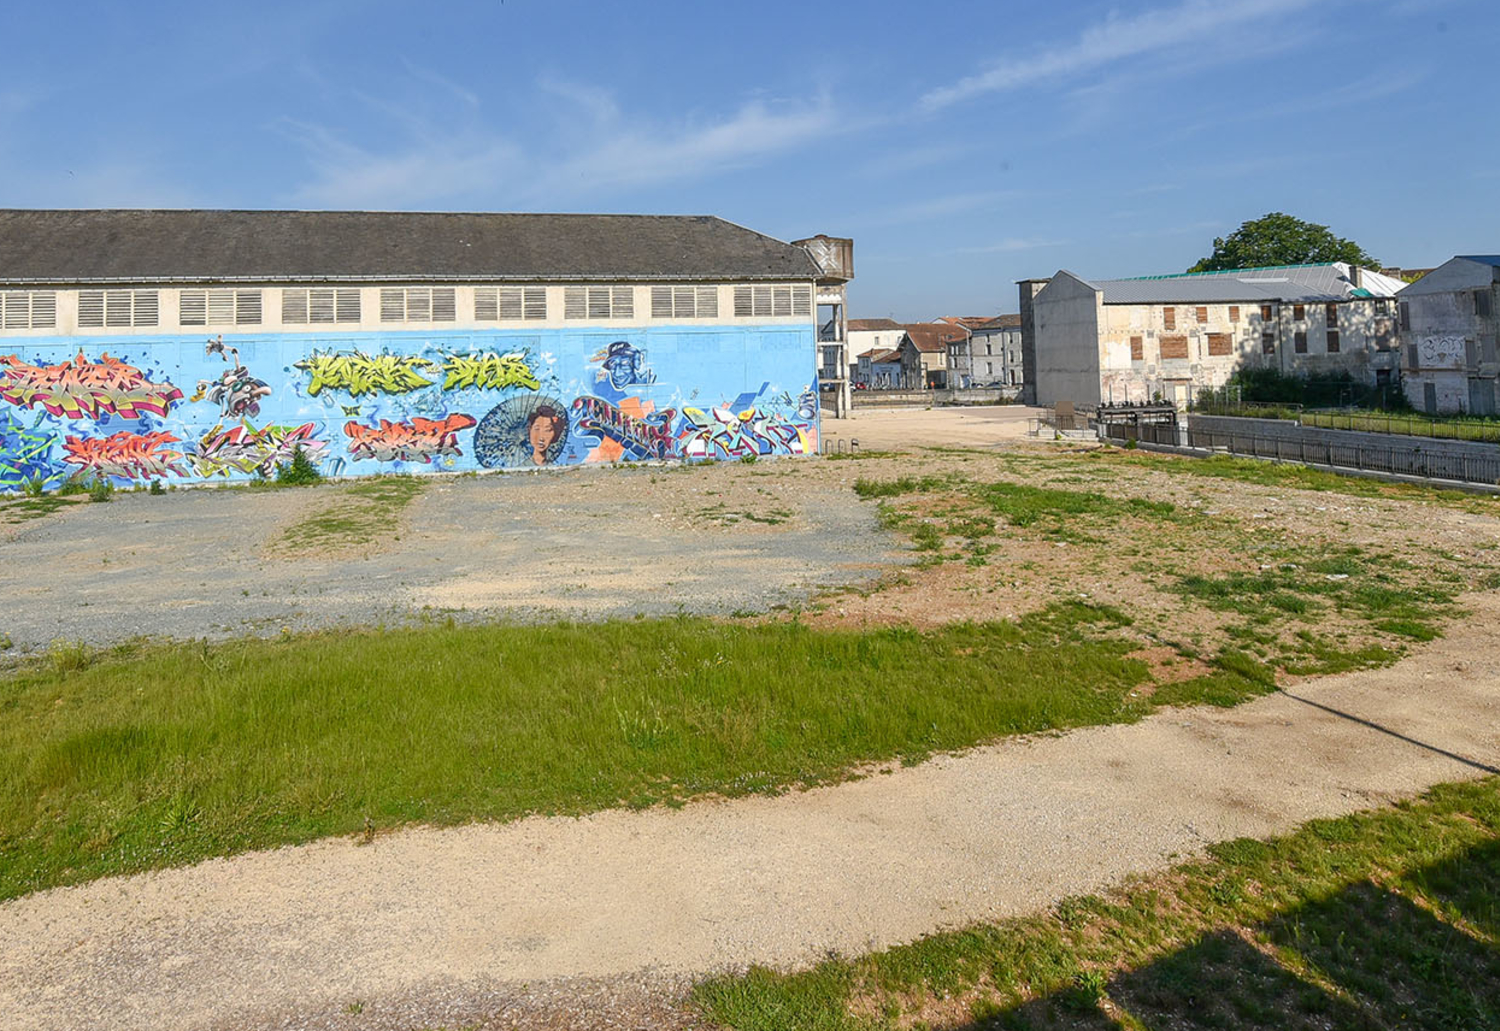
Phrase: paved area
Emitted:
{"points": [[433, 926]]}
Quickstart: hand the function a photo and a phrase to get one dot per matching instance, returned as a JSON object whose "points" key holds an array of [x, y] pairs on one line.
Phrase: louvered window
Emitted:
{"points": [[116, 308], [510, 303], [28, 309], [684, 302], [599, 302], [771, 301], [300, 306], [219, 307], [418, 304]]}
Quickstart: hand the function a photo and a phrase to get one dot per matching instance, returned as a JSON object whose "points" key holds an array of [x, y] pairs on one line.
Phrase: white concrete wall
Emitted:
{"points": [[1450, 347], [1068, 314]]}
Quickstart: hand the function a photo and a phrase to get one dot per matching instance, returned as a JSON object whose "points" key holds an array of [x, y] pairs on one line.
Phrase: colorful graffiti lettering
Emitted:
{"points": [[245, 449], [80, 388], [26, 454], [488, 371], [641, 439], [362, 374], [420, 440], [236, 392], [128, 455], [623, 364], [726, 434]]}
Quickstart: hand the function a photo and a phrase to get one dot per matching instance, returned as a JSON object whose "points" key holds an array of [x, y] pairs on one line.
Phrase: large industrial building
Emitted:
{"points": [[201, 345], [1133, 340], [1450, 324]]}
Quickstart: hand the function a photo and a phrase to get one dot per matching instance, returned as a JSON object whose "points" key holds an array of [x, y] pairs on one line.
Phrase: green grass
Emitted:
{"points": [[20, 510], [354, 515], [1410, 423], [1378, 920], [157, 755]]}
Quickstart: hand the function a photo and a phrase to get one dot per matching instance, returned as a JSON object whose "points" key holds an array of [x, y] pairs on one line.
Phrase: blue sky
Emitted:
{"points": [[962, 145]]}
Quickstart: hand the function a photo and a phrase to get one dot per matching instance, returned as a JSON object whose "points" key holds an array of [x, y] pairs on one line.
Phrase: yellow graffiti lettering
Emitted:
{"points": [[488, 371], [362, 374]]}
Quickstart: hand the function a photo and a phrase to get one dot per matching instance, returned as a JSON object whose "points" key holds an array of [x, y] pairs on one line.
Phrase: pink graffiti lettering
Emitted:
{"points": [[420, 440], [130, 455], [83, 389], [641, 438], [246, 449]]}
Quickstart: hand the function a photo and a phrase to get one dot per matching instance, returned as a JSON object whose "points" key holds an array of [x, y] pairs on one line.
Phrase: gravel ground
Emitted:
{"points": [[600, 921]]}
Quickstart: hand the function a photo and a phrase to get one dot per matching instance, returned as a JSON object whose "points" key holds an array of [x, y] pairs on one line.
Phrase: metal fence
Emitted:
{"points": [[1395, 459]]}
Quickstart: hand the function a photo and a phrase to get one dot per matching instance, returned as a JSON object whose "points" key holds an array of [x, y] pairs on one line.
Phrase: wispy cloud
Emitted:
{"points": [[1111, 40]]}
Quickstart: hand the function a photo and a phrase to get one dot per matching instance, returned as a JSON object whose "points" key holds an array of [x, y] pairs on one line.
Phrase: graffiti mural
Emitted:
{"points": [[361, 374], [245, 449], [84, 389], [130, 456], [420, 440], [236, 392], [358, 402]]}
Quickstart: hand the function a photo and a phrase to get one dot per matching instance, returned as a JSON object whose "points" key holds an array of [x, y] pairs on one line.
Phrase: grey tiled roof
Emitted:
{"points": [[166, 245], [1300, 283]]}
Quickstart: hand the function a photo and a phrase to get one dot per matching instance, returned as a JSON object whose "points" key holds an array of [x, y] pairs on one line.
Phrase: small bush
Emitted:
{"points": [[35, 487], [72, 487], [156, 488], [299, 472], [100, 489]]}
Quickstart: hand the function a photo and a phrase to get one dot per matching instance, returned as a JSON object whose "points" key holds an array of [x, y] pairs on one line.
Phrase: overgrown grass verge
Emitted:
{"points": [[1378, 920], [355, 515], [158, 755]]}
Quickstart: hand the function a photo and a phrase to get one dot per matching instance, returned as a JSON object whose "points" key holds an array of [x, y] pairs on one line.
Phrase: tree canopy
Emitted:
{"points": [[1280, 239]]}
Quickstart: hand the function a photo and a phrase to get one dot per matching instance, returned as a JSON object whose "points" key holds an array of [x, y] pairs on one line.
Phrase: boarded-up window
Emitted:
{"points": [[1169, 318], [1333, 341], [1219, 343], [1137, 349], [1268, 342], [1299, 343], [1406, 316], [1265, 313], [1299, 312], [1481, 302], [1201, 315], [1234, 313], [1331, 314], [1174, 347]]}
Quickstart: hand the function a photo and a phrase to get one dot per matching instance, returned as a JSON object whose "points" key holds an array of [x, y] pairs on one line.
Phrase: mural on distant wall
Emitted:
{"points": [[359, 403]]}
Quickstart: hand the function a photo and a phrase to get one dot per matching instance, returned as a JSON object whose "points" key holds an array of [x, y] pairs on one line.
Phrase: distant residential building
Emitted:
{"points": [[925, 354], [869, 335], [880, 369], [1448, 330], [1170, 336], [995, 353]]}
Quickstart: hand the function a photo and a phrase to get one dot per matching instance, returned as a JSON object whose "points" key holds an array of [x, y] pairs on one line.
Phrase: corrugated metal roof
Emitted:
{"points": [[140, 246], [1483, 259], [1299, 283]]}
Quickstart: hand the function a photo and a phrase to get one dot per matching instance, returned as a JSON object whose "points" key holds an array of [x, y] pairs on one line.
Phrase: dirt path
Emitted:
{"points": [[445, 919]]}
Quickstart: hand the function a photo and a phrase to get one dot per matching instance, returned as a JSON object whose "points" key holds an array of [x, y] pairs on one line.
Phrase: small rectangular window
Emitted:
{"points": [[1299, 342], [1331, 314], [1137, 349], [247, 308], [1169, 318], [1268, 342], [1266, 315], [1299, 312], [117, 308], [512, 304], [1405, 315], [486, 304], [320, 306], [1234, 313], [444, 304], [347, 308], [1333, 341], [392, 304], [1174, 347], [743, 305], [534, 302], [1201, 315], [294, 307], [221, 307], [192, 308], [1220, 344], [1481, 302], [575, 303], [801, 301]]}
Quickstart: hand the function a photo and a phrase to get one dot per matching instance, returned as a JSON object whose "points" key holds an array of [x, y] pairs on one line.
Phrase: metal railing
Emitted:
{"points": [[1395, 459]]}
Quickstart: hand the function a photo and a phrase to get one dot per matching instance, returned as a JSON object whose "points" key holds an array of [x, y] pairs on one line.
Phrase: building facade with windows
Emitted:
{"points": [[1134, 340], [206, 345], [1450, 335], [990, 356]]}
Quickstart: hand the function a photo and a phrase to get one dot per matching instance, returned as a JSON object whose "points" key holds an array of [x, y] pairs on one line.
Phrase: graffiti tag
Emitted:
{"points": [[488, 371], [26, 454], [83, 389], [129, 455], [726, 434], [650, 437], [361, 373], [246, 449], [420, 440]]}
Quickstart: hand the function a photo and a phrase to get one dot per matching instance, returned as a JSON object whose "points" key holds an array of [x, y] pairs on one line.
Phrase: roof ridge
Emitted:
{"points": [[1234, 271]]}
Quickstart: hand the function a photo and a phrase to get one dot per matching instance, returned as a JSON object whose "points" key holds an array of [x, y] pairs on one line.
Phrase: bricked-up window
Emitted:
{"points": [[1174, 347], [1137, 349], [1169, 318], [1299, 342], [1268, 342], [1234, 313], [1333, 341], [1331, 314], [1406, 317], [1481, 302], [1266, 314], [1200, 315], [1219, 343], [1299, 312]]}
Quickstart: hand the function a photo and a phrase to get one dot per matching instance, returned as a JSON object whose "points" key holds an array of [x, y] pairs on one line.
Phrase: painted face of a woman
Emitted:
{"points": [[542, 433]]}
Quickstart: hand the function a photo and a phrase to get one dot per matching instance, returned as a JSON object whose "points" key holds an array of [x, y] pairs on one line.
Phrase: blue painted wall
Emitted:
{"points": [[205, 407]]}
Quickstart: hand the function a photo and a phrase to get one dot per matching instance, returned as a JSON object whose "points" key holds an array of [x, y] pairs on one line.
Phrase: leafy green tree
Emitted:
{"points": [[1278, 239]]}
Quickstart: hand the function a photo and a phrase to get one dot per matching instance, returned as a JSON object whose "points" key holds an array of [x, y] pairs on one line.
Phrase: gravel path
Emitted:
{"points": [[527, 922]]}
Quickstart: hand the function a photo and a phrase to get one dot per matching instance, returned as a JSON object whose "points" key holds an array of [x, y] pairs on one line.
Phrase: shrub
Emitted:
{"points": [[299, 472], [100, 489], [35, 487], [156, 488]]}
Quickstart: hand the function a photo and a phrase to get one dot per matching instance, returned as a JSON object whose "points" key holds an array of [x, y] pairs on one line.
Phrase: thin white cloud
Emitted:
{"points": [[1113, 39]]}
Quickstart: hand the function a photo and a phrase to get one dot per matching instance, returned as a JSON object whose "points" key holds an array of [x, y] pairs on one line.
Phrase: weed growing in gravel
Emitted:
{"points": [[356, 515]]}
